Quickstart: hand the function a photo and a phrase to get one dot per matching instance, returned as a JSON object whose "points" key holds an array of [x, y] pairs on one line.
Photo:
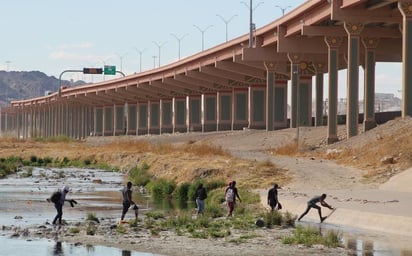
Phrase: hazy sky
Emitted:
{"points": [[54, 35]]}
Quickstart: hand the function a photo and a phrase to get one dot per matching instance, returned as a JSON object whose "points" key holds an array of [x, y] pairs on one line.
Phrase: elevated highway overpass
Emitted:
{"points": [[232, 85]]}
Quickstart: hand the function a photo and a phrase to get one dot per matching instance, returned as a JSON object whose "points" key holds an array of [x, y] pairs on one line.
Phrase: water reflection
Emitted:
{"points": [[170, 204], [126, 253], [58, 249], [365, 244], [356, 246]]}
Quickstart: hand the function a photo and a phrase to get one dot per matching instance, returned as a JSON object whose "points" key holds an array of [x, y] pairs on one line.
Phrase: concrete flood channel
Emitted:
{"points": [[23, 203]]}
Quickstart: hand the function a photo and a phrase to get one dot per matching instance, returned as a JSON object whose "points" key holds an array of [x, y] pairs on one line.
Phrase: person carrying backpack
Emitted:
{"points": [[58, 198], [231, 194]]}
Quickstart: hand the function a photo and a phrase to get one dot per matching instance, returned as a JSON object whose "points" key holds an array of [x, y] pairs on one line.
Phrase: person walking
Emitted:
{"points": [[200, 196], [312, 203], [273, 201], [231, 194], [127, 201], [59, 202]]}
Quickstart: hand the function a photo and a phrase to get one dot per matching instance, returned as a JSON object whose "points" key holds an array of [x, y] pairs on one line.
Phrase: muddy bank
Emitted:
{"points": [[261, 242]]}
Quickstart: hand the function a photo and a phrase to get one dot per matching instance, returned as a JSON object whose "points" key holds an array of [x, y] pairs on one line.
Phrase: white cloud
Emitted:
{"points": [[83, 45]]}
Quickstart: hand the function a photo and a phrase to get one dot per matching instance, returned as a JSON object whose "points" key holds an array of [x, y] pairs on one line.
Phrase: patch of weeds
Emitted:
{"points": [[311, 235], [121, 229], [91, 229], [74, 230], [155, 231], [155, 215], [133, 223], [272, 218], [140, 176], [219, 233], [149, 223], [202, 234], [92, 217]]}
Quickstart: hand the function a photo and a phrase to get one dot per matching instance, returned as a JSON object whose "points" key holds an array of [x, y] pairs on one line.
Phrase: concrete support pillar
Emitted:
{"points": [[224, 110], [281, 102], [319, 103], [131, 119], [257, 109], [369, 121], [166, 119], [270, 95], [352, 114], [241, 108], [405, 6], [333, 52], [294, 60], [114, 120], [194, 110], [179, 115], [143, 126], [154, 117], [304, 105], [210, 109]]}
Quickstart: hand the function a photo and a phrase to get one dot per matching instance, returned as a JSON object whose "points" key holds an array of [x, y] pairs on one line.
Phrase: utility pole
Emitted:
{"points": [[251, 24]]}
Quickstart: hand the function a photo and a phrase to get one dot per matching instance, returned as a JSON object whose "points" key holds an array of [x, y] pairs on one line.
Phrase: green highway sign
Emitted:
{"points": [[109, 70]]}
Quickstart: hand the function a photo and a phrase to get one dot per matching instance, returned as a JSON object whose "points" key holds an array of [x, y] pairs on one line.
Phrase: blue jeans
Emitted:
{"points": [[59, 208], [200, 205]]}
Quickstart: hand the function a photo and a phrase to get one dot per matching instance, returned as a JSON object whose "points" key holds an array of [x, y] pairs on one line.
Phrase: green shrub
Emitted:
{"points": [[311, 235], [181, 192], [161, 188], [155, 215], [92, 217], [140, 176], [74, 230], [33, 159]]}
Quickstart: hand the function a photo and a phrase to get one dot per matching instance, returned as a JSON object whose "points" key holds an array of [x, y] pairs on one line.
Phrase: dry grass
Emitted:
{"points": [[289, 149], [367, 151], [180, 162]]}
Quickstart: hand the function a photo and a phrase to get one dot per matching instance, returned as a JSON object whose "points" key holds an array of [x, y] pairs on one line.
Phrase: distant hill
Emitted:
{"points": [[17, 85]]}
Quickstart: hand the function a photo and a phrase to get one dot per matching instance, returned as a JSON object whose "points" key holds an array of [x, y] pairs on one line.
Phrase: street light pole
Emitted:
{"points": [[251, 24], [159, 46], [154, 61], [178, 40], [226, 21], [121, 60], [283, 9], [140, 57], [203, 34]]}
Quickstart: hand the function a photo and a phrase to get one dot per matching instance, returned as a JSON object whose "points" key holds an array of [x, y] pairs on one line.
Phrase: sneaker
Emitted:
{"points": [[322, 219]]}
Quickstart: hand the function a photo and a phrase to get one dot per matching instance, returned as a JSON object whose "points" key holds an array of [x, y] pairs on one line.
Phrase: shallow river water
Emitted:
{"points": [[23, 203]]}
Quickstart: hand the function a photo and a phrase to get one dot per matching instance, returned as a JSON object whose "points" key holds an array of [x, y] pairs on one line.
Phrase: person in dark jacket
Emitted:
{"points": [[200, 197], [273, 201], [312, 203], [58, 204]]}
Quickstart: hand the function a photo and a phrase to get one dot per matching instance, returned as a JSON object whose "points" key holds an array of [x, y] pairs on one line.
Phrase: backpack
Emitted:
{"points": [[55, 197], [230, 195]]}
